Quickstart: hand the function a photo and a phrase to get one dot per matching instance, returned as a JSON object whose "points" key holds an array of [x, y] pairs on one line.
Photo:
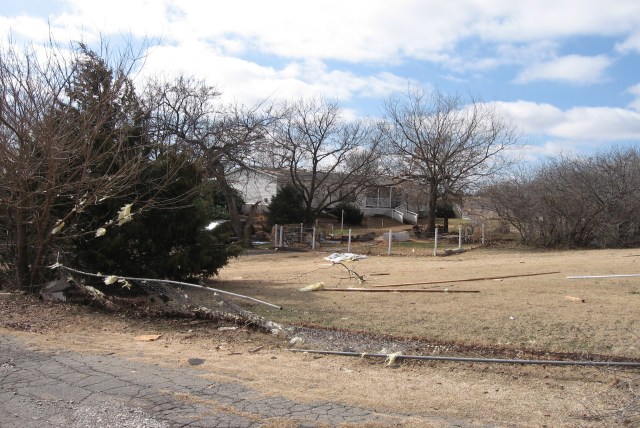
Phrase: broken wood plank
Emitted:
{"points": [[147, 337], [449, 281], [256, 349], [574, 299], [399, 290], [446, 253]]}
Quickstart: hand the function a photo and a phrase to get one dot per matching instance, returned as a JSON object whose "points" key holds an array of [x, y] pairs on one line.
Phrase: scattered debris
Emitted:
{"points": [[391, 358], [296, 340], [344, 257], [55, 291], [446, 253], [195, 361], [256, 349], [313, 287], [147, 337], [379, 273], [574, 299], [227, 328]]}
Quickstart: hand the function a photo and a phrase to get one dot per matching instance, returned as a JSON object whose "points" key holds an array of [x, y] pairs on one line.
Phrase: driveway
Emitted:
{"points": [[68, 389]]}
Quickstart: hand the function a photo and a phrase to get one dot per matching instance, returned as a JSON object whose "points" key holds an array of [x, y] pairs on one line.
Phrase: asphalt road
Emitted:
{"points": [[68, 389]]}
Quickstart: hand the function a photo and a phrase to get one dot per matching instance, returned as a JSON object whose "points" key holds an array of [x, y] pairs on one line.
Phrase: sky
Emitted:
{"points": [[565, 72]]}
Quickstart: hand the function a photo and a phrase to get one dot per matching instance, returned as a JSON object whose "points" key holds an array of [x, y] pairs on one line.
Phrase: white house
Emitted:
{"points": [[260, 185]]}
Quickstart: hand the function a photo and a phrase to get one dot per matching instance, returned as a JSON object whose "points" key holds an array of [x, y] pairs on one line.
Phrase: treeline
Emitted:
{"points": [[586, 201]]}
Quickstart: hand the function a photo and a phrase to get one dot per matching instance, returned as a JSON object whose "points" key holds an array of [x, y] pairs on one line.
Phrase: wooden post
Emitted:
{"points": [[459, 237], [281, 236], [349, 242], [301, 233], [435, 243], [482, 233], [390, 238]]}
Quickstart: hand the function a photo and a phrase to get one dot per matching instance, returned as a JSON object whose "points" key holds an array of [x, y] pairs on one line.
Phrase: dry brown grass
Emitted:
{"points": [[530, 312]]}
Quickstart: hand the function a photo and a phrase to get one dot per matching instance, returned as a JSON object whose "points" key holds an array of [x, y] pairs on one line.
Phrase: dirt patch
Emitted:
{"points": [[505, 395]]}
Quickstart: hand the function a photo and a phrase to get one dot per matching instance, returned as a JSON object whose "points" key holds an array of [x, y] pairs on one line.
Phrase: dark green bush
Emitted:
{"points": [[352, 215], [286, 207]]}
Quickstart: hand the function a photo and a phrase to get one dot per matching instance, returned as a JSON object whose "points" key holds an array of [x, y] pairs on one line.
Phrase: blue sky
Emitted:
{"points": [[567, 72]]}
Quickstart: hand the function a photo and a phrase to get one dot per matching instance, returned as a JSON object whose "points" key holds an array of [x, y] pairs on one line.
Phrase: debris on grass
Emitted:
{"points": [[147, 337], [313, 287]]}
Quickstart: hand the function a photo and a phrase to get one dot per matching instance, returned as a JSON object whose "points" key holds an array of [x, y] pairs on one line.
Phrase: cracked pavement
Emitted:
{"points": [[69, 389]]}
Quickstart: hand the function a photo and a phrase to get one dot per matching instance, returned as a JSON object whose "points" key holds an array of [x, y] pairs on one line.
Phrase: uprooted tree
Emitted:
{"points": [[75, 148], [445, 143], [63, 147]]}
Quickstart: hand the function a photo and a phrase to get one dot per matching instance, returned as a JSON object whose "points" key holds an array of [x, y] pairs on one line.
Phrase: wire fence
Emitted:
{"points": [[412, 240]]}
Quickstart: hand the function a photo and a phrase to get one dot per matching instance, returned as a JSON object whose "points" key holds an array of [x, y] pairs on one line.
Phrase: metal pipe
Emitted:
{"points": [[626, 275], [477, 360], [398, 290]]}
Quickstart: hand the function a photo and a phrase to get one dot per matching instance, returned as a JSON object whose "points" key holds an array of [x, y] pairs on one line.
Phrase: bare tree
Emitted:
{"points": [[445, 142], [574, 201], [62, 147], [187, 114], [329, 159]]}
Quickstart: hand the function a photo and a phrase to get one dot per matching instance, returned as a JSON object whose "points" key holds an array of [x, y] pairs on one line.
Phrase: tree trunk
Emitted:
{"points": [[433, 203], [240, 227], [22, 250]]}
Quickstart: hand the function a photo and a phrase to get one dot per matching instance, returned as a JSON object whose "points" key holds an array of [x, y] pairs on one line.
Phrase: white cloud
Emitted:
{"points": [[635, 91], [250, 82], [581, 125], [599, 124], [630, 45], [532, 118], [575, 69]]}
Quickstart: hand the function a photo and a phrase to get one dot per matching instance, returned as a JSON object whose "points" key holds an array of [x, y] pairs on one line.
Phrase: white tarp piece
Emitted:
{"points": [[344, 257]]}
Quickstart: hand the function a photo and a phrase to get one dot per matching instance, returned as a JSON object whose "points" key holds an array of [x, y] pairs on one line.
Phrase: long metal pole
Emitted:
{"points": [[478, 360], [627, 275], [166, 281], [435, 243]]}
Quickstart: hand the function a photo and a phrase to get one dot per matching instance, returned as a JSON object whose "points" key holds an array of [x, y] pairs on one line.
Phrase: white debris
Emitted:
{"points": [[313, 287], [344, 257]]}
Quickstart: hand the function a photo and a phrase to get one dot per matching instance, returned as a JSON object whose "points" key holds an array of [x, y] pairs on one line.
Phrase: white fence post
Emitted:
{"points": [[459, 237], [275, 235], [313, 239], [482, 233], [281, 236], [349, 242], [435, 243], [390, 239]]}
